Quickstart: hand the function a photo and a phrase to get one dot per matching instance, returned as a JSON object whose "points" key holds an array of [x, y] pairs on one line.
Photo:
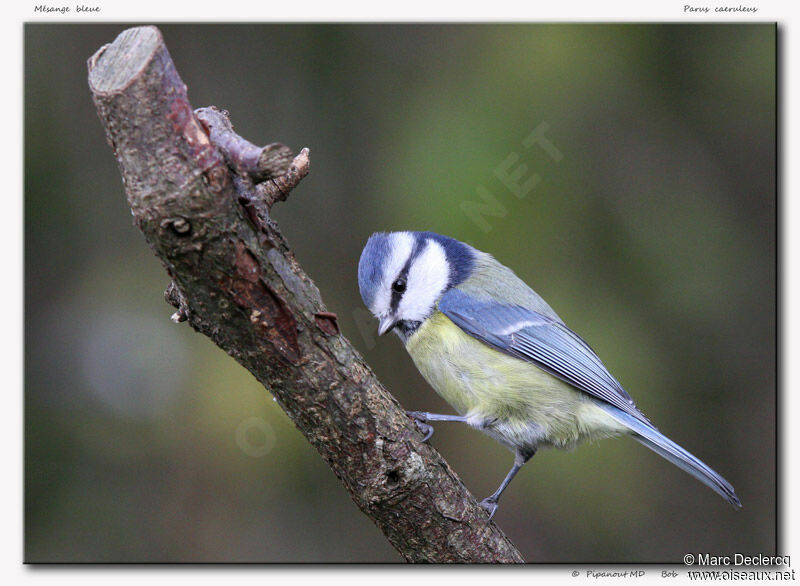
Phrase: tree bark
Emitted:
{"points": [[202, 196]]}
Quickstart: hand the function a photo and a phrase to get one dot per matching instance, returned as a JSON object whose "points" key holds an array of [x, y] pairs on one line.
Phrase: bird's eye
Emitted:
{"points": [[399, 286]]}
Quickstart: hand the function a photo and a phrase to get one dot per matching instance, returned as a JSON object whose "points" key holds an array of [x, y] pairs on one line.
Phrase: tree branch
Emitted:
{"points": [[202, 195]]}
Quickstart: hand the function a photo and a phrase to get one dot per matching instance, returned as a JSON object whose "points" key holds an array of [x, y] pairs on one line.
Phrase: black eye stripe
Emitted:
{"points": [[397, 292], [402, 278], [399, 287]]}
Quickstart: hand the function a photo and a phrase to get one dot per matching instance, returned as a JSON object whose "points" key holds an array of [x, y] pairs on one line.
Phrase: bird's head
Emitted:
{"points": [[402, 276]]}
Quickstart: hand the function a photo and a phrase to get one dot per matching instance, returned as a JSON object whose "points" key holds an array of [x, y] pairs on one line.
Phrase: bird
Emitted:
{"points": [[494, 350]]}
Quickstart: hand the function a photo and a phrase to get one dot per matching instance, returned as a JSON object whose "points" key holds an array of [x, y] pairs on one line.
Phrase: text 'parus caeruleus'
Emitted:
{"points": [[496, 352]]}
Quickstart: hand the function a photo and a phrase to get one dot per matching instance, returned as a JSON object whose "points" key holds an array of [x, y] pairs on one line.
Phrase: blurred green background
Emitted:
{"points": [[653, 236]]}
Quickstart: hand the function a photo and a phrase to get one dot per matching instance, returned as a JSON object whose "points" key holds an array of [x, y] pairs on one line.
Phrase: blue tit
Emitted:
{"points": [[499, 355]]}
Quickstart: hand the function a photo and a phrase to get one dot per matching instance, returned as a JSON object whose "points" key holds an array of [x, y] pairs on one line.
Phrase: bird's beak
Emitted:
{"points": [[386, 324]]}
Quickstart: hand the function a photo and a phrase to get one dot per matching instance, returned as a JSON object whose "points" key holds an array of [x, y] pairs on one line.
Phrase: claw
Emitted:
{"points": [[489, 505], [426, 429], [420, 419]]}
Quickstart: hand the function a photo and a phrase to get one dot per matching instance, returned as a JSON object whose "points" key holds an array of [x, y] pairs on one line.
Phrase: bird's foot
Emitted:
{"points": [[421, 419], [489, 504]]}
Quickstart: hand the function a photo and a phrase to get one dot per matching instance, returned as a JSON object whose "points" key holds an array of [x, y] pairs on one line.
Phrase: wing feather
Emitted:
{"points": [[528, 335]]}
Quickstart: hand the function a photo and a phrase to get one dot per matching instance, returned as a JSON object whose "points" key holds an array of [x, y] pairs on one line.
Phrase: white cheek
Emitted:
{"points": [[401, 245], [427, 279]]}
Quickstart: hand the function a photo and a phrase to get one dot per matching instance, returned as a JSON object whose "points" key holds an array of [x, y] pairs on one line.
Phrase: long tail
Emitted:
{"points": [[665, 447]]}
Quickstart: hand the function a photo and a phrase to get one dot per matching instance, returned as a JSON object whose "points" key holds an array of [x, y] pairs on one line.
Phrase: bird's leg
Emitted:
{"points": [[421, 418], [490, 502]]}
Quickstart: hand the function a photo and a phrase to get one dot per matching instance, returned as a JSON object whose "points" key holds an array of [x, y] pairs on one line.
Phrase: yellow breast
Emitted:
{"points": [[478, 380]]}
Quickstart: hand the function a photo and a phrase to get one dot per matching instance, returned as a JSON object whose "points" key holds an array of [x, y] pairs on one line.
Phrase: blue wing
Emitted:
{"points": [[553, 347], [531, 336]]}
